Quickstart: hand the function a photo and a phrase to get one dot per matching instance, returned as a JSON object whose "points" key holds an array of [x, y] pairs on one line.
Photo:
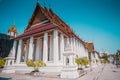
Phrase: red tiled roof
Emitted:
{"points": [[90, 46], [37, 29]]}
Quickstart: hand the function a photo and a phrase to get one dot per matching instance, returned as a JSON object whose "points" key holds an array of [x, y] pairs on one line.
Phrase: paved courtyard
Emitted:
{"points": [[103, 72]]}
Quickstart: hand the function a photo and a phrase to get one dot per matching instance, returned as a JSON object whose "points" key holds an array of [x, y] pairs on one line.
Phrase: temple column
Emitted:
{"points": [[45, 48], [27, 48], [51, 48], [71, 43], [68, 41], [14, 48], [77, 47], [37, 55], [19, 52], [74, 44], [61, 46], [30, 55], [55, 46]]}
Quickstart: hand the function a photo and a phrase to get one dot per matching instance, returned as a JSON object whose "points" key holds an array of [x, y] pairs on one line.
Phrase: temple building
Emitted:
{"points": [[92, 53], [45, 38]]}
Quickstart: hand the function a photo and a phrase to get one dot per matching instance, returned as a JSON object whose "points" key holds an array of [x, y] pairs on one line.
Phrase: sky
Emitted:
{"points": [[96, 21]]}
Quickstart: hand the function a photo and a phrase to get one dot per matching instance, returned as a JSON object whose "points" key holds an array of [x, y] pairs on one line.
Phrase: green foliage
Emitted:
{"points": [[105, 61], [30, 63], [97, 61], [38, 63], [105, 57], [2, 62], [78, 61], [84, 61]]}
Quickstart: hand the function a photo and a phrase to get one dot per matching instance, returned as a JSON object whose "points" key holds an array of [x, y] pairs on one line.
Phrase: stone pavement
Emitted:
{"points": [[102, 72]]}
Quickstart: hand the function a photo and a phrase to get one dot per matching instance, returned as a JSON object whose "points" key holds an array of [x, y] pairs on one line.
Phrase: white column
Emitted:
{"points": [[26, 54], [76, 48], [37, 54], [14, 48], [55, 46], [30, 55], [61, 46], [79, 49], [51, 48], [74, 44], [45, 48], [68, 41], [19, 52], [71, 43]]}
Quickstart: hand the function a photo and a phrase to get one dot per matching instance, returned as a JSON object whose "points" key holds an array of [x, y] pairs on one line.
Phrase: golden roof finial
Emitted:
{"points": [[13, 29]]}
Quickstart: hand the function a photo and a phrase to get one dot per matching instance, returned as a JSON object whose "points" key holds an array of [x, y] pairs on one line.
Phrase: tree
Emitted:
{"points": [[35, 64], [79, 62], [83, 61], [118, 52]]}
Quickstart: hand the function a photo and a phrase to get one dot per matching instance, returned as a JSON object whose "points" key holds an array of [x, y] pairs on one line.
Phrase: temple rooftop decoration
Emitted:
{"points": [[13, 29], [12, 32]]}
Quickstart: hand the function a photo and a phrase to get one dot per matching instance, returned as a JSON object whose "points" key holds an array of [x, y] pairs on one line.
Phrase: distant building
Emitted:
{"points": [[6, 41], [93, 54]]}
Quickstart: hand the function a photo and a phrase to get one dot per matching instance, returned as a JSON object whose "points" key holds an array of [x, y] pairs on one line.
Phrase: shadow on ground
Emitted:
{"points": [[2, 78]]}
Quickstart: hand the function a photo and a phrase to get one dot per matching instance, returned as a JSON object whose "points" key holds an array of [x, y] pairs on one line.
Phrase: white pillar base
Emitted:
{"points": [[69, 72]]}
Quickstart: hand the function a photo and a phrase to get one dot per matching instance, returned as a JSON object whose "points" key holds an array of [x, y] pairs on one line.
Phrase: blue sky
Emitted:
{"points": [[93, 20]]}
